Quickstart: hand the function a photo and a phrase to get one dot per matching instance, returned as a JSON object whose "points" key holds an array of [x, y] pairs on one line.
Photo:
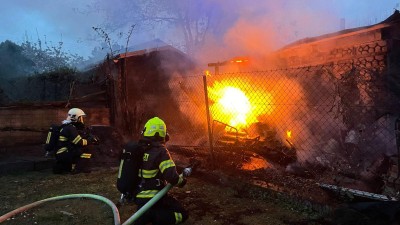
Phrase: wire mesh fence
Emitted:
{"points": [[333, 122], [337, 116]]}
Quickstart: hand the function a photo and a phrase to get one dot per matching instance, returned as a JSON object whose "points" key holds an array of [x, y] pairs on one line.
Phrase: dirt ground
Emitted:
{"points": [[208, 201], [227, 195]]}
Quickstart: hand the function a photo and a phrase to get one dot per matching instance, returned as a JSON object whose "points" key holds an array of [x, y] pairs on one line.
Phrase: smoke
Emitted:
{"points": [[262, 27]]}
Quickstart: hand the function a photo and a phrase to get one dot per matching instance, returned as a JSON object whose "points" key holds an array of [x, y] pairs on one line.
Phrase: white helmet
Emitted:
{"points": [[75, 115]]}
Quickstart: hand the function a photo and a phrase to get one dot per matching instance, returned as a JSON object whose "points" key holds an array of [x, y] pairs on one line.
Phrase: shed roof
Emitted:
{"points": [[393, 19], [146, 48]]}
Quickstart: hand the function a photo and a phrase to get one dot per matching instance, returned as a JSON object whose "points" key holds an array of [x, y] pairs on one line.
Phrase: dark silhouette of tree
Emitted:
{"points": [[31, 72], [49, 58], [13, 62], [32, 58]]}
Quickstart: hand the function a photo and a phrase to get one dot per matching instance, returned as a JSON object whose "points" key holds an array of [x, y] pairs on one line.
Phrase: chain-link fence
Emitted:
{"points": [[338, 118]]}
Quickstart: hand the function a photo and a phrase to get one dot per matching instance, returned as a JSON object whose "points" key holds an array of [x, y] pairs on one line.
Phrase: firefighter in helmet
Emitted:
{"points": [[70, 156], [156, 171]]}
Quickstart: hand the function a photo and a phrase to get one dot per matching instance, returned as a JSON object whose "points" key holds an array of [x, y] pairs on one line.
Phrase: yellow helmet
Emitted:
{"points": [[153, 126]]}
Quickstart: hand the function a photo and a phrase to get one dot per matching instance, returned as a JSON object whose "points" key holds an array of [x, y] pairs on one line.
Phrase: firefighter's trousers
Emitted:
{"points": [[166, 211]]}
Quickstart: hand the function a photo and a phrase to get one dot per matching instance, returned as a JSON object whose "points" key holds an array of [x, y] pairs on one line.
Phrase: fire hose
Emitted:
{"points": [[186, 172], [64, 197], [148, 205]]}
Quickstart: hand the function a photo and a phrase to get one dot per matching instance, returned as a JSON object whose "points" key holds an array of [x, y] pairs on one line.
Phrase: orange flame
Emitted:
{"points": [[289, 133], [236, 107], [239, 60]]}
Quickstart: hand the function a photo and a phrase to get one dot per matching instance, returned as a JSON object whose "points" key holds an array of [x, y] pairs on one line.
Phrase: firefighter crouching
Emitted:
{"points": [[157, 169], [72, 155]]}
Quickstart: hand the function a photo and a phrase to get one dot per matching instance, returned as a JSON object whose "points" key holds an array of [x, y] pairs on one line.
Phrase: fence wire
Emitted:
{"points": [[338, 117], [327, 113]]}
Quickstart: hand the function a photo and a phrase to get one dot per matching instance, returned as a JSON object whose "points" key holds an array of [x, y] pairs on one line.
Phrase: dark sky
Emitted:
{"points": [[70, 22]]}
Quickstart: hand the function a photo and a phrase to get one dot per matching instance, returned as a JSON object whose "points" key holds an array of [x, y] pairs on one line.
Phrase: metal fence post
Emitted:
{"points": [[210, 137]]}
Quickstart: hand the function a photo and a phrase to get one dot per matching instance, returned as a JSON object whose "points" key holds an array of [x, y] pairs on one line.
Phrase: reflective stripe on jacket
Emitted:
{"points": [[158, 168], [70, 139]]}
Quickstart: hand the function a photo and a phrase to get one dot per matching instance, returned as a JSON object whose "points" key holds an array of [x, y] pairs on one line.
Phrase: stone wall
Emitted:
{"points": [[363, 48], [29, 125], [362, 62]]}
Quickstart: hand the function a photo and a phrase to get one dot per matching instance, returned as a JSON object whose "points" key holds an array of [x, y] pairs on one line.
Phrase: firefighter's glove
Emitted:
{"points": [[187, 171], [182, 181]]}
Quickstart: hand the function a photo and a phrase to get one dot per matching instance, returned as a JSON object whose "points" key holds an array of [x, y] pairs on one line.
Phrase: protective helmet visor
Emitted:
{"points": [[155, 127]]}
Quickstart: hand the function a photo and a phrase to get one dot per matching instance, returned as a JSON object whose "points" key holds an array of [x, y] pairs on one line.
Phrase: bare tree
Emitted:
{"points": [[120, 92], [191, 17]]}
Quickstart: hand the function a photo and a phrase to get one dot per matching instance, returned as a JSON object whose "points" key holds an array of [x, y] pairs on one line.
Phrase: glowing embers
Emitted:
{"points": [[239, 60], [255, 163]]}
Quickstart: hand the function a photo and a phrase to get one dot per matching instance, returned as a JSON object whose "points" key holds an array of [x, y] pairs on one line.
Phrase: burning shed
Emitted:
{"points": [[334, 105], [330, 107]]}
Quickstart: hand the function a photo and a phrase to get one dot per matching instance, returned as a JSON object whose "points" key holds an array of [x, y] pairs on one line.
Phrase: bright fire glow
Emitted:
{"points": [[289, 133], [239, 60], [236, 104], [238, 108]]}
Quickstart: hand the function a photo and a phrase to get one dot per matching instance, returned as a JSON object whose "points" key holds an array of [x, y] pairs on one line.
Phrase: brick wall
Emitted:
{"points": [[25, 126]]}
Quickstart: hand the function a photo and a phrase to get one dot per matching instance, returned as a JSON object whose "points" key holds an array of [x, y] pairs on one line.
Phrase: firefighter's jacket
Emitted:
{"points": [[70, 140], [157, 169]]}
